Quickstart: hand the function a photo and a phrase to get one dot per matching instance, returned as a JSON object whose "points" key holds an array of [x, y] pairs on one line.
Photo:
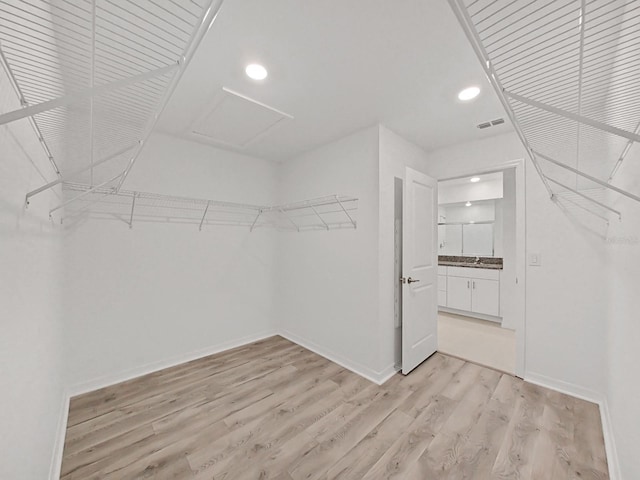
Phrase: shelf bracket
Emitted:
{"points": [[600, 204], [346, 213], [86, 192], [133, 206], [255, 220], [558, 198], [77, 172], [206, 209], [318, 215], [290, 219], [588, 177]]}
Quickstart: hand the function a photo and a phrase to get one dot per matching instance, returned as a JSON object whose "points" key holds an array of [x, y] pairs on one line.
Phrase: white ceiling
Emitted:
{"points": [[338, 66]]}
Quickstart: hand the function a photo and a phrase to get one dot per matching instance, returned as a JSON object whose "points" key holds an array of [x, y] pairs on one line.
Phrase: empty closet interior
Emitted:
{"points": [[182, 177]]}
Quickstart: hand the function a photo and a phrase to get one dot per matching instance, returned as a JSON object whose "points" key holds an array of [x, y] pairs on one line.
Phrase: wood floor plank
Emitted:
{"points": [[274, 410]]}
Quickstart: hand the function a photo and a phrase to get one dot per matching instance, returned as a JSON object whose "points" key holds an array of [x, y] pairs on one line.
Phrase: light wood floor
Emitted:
{"points": [[274, 410]]}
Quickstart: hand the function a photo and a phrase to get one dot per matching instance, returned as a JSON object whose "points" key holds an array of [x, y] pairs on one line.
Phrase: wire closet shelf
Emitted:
{"points": [[325, 213], [93, 76], [568, 74]]}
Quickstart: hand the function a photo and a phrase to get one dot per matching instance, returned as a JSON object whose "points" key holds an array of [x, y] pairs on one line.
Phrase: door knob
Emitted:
{"points": [[411, 280]]}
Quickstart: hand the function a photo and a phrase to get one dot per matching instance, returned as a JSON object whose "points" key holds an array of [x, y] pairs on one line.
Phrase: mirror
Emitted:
{"points": [[467, 228]]}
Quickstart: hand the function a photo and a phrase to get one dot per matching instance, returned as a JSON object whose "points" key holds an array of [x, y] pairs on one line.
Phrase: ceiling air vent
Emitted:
{"points": [[492, 123]]}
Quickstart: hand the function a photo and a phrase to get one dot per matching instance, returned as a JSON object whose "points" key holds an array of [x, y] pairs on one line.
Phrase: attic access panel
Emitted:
{"points": [[237, 121]]}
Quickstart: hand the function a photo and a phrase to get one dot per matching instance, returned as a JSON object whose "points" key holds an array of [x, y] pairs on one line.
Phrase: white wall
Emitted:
{"points": [[327, 280], [623, 388], [565, 296], [396, 154], [456, 193], [508, 293], [31, 402], [138, 299]]}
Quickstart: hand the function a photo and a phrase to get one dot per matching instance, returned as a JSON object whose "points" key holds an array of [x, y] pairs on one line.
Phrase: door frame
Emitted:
{"points": [[521, 248]]}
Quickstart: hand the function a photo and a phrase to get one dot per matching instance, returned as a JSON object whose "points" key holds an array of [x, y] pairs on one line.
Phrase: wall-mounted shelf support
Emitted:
{"points": [[289, 219], [85, 193], [133, 206], [255, 220], [589, 177], [204, 215], [586, 197], [353, 222], [558, 199], [319, 217], [75, 173]]}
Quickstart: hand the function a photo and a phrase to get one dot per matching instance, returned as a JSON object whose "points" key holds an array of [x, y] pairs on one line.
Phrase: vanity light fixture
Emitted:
{"points": [[469, 94], [256, 71], [475, 179], [468, 204]]}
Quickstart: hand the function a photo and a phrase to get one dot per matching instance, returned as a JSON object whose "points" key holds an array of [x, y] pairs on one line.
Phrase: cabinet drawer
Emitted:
{"points": [[442, 283], [442, 269], [471, 272]]}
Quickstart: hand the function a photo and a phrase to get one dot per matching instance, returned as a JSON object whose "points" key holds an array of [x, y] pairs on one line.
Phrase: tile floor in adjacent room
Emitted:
{"points": [[478, 341]]}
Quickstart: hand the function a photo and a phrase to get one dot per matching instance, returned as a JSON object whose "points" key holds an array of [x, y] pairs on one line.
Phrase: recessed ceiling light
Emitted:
{"points": [[472, 221], [469, 94], [475, 179], [256, 71], [468, 204]]}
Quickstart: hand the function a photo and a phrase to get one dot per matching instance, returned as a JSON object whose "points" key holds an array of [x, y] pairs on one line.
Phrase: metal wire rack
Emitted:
{"points": [[93, 76], [568, 74], [325, 213]]}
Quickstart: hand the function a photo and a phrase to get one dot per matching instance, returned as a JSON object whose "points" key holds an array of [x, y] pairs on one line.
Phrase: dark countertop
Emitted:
{"points": [[491, 266], [492, 263]]}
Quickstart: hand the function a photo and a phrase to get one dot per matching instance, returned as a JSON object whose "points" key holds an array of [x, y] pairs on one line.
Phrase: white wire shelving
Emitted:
{"points": [[93, 76], [568, 74], [325, 213]]}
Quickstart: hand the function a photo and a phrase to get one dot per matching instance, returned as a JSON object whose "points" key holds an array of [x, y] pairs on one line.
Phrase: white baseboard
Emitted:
{"points": [[61, 430], [376, 377], [590, 396], [610, 442], [108, 380], [564, 387]]}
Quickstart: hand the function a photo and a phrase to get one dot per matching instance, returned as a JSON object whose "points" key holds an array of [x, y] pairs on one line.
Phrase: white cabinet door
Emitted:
{"points": [[459, 293], [485, 297], [442, 298]]}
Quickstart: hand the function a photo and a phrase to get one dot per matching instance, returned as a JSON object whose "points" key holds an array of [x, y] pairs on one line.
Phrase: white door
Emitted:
{"points": [[419, 269]]}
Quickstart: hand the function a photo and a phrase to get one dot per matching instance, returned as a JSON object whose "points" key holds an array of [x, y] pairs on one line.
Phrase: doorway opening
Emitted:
{"points": [[481, 259]]}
